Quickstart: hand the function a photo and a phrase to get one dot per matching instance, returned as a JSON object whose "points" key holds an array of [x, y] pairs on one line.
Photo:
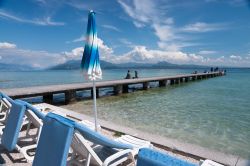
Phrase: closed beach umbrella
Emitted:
{"points": [[90, 63]]}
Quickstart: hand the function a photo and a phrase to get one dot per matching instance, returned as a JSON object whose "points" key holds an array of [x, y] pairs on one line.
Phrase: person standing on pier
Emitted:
{"points": [[212, 69]]}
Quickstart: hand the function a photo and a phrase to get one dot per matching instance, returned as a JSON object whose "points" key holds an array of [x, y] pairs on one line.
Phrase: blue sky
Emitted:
{"points": [[42, 33]]}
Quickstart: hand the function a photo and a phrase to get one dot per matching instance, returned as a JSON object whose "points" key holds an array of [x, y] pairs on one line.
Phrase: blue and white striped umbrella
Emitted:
{"points": [[90, 63]]}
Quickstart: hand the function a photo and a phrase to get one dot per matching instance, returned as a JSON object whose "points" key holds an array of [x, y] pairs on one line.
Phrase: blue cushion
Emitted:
{"points": [[97, 138], [54, 142], [149, 157], [13, 125], [38, 113]]}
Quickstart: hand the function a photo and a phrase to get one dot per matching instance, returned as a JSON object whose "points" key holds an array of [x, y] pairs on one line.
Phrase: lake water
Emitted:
{"points": [[213, 113]]}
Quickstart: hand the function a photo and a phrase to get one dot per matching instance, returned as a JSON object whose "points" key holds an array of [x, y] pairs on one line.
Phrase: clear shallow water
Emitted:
{"points": [[213, 113]]}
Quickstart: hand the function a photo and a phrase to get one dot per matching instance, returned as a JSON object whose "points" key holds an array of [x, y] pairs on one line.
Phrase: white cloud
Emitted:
{"points": [[138, 24], [139, 54], [234, 57], [41, 1], [6, 45], [77, 53], [126, 42], [148, 13], [140, 12], [10, 54], [42, 22], [79, 39], [33, 58], [202, 27], [164, 32], [207, 52], [80, 5], [111, 27]]}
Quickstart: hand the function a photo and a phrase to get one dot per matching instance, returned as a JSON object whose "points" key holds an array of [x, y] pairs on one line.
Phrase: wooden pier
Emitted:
{"points": [[119, 86]]}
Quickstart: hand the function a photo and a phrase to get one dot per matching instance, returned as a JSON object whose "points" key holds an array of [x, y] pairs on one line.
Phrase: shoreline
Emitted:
{"points": [[193, 151]]}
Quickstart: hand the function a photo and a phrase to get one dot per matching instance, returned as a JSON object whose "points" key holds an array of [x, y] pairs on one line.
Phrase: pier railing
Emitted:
{"points": [[119, 86]]}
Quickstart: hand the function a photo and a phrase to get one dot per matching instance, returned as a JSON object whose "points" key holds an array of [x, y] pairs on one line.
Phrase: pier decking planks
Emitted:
{"points": [[119, 86]]}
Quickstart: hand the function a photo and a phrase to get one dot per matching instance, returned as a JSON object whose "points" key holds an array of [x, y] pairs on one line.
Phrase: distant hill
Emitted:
{"points": [[14, 67], [75, 65]]}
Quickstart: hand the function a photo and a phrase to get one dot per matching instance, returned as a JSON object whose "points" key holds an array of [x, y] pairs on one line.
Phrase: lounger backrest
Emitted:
{"points": [[99, 139], [54, 142], [13, 125]]}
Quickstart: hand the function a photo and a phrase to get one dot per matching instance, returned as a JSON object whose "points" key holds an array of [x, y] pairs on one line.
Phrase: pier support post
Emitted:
{"points": [[181, 79], [125, 88], [162, 83], [97, 93], [186, 79], [171, 82], [199, 77], [70, 96], [146, 86], [177, 81], [194, 78], [48, 98], [204, 76], [118, 89]]}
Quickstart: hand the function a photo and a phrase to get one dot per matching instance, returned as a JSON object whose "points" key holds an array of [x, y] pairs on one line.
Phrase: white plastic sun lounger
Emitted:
{"points": [[92, 148], [5, 106], [210, 163], [137, 143], [37, 122]]}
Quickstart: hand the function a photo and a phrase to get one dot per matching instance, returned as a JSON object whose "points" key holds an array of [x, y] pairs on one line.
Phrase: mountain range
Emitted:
{"points": [[75, 64], [14, 67]]}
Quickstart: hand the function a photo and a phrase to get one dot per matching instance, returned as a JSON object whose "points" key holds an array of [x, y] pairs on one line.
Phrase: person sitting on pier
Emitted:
{"points": [[212, 69], [136, 74], [195, 72], [128, 76]]}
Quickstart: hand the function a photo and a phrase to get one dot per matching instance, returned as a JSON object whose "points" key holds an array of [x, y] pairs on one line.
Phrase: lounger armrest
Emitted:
{"points": [[117, 155]]}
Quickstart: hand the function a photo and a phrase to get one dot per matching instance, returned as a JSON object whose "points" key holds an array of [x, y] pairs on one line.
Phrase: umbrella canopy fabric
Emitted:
{"points": [[90, 61]]}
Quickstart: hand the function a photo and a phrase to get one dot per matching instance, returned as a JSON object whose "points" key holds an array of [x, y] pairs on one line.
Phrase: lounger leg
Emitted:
{"points": [[28, 129], [1, 106], [88, 160]]}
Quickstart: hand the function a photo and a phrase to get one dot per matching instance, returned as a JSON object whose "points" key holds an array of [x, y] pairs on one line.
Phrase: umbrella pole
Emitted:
{"points": [[95, 110]]}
